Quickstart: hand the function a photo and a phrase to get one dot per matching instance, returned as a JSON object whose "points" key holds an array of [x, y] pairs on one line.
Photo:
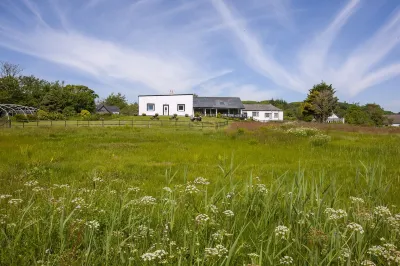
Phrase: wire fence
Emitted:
{"points": [[114, 123]]}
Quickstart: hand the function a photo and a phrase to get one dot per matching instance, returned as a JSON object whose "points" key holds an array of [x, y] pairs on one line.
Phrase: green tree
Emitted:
{"points": [[375, 113], [116, 100], [356, 115], [80, 97], [320, 103], [130, 109]]}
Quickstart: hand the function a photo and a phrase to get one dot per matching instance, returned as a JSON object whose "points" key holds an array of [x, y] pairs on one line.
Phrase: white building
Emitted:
{"points": [[263, 112], [394, 120], [334, 119], [170, 104]]}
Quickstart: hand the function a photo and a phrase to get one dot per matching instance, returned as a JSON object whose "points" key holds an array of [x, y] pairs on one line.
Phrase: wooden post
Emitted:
{"points": [[119, 122], [202, 126], [37, 123], [23, 124], [9, 123], [51, 123], [102, 122], [65, 123], [132, 122], [77, 123], [88, 123], [149, 124]]}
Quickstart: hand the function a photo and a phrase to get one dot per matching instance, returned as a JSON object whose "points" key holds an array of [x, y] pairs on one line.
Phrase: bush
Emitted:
{"points": [[32, 117], [56, 116], [303, 131], [69, 111], [143, 114], [186, 115], [42, 115], [85, 114], [197, 114], [156, 114], [20, 117], [320, 140]]}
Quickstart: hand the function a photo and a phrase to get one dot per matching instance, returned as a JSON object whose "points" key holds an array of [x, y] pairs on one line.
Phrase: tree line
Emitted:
{"points": [[321, 103], [54, 99]]}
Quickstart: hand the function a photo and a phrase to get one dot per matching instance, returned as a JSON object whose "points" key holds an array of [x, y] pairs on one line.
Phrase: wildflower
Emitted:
{"points": [[191, 189], [382, 211], [376, 251], [201, 181], [355, 228], [97, 179], [218, 251], [158, 254], [230, 195], [15, 201], [93, 224], [213, 208], [167, 189], [367, 263], [335, 214], [31, 183], [286, 260], [37, 189], [133, 189], [260, 188], [282, 232], [228, 213], [253, 255], [344, 254], [202, 218], [113, 192], [356, 200], [5, 196], [147, 200]]}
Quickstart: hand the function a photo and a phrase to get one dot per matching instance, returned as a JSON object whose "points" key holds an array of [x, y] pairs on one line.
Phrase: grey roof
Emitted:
{"points": [[110, 108], [260, 107], [394, 118], [218, 102]]}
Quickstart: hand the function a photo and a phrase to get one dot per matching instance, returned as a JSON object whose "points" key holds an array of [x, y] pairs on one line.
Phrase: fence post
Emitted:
{"points": [[149, 124], [65, 123], [77, 123], [51, 123], [88, 123], [37, 123], [9, 123], [23, 124], [202, 126], [132, 122], [119, 122], [102, 123]]}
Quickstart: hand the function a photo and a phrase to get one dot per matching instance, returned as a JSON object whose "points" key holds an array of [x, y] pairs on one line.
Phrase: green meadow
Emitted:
{"points": [[278, 195]]}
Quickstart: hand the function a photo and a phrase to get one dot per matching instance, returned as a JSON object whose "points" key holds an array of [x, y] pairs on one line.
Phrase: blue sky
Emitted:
{"points": [[254, 49]]}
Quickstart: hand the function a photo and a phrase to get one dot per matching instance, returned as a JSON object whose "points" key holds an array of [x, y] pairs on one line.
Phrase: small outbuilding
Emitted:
{"points": [[263, 112], [394, 120], [107, 109]]}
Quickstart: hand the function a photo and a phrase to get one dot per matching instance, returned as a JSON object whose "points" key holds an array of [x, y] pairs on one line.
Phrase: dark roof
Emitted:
{"points": [[394, 118], [109, 108], [165, 94], [218, 102], [260, 107]]}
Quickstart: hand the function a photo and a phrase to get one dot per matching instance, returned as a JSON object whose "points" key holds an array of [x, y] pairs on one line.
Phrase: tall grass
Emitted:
{"points": [[149, 197]]}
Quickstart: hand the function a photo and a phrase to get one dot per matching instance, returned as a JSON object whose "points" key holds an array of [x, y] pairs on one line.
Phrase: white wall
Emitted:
{"points": [[171, 100], [261, 115], [395, 125]]}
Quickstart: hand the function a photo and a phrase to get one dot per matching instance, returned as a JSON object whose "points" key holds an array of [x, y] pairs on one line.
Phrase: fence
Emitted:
{"points": [[116, 123]]}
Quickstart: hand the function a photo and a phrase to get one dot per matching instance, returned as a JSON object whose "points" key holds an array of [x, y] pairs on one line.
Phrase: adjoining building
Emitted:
{"points": [[394, 120], [333, 118], [211, 106], [170, 104], [263, 112]]}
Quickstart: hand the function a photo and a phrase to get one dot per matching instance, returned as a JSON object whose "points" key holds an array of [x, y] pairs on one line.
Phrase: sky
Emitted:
{"points": [[253, 49]]}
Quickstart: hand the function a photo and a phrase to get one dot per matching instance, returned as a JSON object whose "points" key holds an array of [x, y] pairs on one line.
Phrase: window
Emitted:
{"points": [[276, 115], [255, 114], [151, 107], [268, 115], [181, 108]]}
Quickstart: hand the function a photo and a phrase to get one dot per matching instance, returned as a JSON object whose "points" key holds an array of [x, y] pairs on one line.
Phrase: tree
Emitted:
{"points": [[320, 103], [355, 115], [116, 100], [130, 109], [8, 69], [375, 113], [80, 97]]}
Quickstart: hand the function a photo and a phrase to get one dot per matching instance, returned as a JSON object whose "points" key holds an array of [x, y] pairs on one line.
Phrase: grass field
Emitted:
{"points": [[276, 195]]}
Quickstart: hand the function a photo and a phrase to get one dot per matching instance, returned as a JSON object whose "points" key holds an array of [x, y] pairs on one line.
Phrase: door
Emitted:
{"points": [[166, 109]]}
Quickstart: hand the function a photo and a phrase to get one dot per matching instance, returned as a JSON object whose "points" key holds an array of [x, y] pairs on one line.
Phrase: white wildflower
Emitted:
{"points": [[218, 251], [213, 208], [158, 254], [37, 189], [253, 255], [31, 183], [355, 228], [191, 189], [6, 196], [382, 211], [335, 214], [261, 188], [202, 218], [356, 200], [167, 189], [230, 195], [367, 263], [93, 224], [286, 260], [201, 181], [282, 232], [147, 200], [133, 189], [344, 254], [97, 179], [15, 201], [228, 213]]}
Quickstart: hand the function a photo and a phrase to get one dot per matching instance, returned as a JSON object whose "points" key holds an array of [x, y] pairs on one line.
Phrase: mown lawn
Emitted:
{"points": [[119, 181]]}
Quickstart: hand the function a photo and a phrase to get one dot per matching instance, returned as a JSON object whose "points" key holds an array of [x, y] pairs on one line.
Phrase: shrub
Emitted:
{"points": [[186, 115], [156, 114], [20, 117], [85, 114], [32, 117], [42, 115], [320, 140], [56, 116], [143, 114], [197, 114], [69, 111]]}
